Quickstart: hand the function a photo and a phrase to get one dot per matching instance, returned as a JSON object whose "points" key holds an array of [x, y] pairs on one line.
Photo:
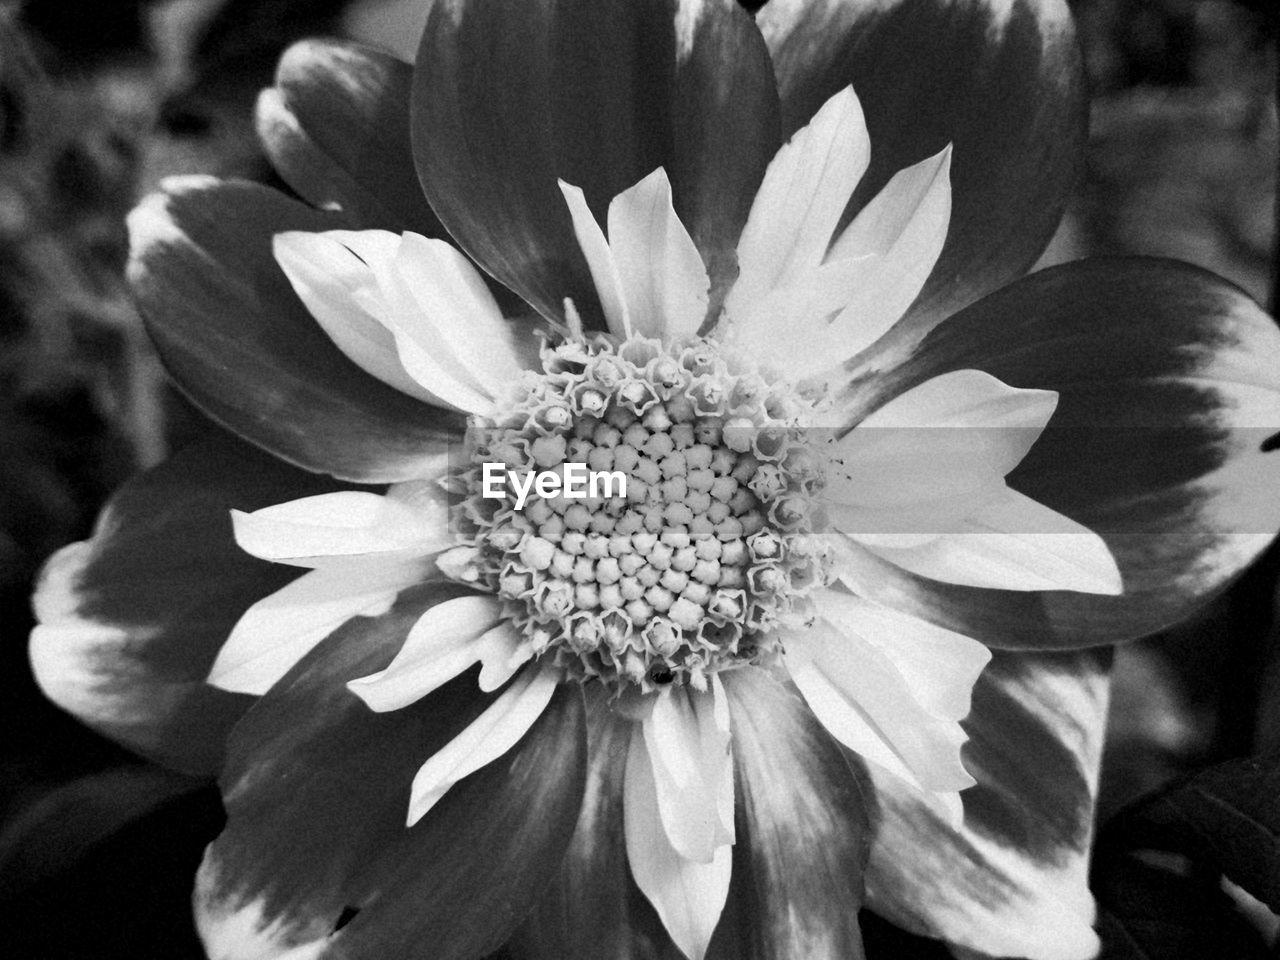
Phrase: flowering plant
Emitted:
{"points": [[840, 640]]}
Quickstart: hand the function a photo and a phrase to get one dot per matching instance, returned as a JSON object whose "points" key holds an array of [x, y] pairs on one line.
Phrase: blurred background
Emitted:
{"points": [[99, 101]]}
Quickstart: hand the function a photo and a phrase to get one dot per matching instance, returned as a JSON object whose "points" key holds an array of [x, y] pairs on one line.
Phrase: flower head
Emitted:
{"points": [[695, 695]]}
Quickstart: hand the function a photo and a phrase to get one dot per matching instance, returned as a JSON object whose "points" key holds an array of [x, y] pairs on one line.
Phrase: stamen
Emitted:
{"points": [[691, 572]]}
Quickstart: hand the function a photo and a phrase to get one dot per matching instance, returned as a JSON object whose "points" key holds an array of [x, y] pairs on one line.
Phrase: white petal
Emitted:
{"points": [[939, 665], [424, 295], [800, 201], [604, 271], [279, 630], [687, 738], [457, 316], [663, 278], [310, 531], [488, 737], [903, 228], [338, 288], [1014, 543], [448, 639], [858, 694], [888, 479], [688, 896]]}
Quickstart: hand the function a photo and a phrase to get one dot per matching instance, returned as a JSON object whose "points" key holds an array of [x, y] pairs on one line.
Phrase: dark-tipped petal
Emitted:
{"points": [[1013, 880], [509, 97], [1162, 442], [239, 342], [336, 127], [131, 620], [316, 856], [803, 832], [999, 80]]}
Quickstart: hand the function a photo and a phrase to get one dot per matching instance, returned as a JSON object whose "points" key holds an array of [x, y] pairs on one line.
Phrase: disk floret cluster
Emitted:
{"points": [[711, 548]]}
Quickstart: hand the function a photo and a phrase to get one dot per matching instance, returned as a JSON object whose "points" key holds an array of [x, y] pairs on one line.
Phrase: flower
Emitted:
{"points": [[709, 711]]}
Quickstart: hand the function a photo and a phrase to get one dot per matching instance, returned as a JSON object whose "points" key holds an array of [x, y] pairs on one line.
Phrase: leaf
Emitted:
{"points": [[1160, 864], [1226, 818]]}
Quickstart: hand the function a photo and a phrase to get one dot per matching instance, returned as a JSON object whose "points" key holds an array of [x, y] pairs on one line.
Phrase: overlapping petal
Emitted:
{"points": [[131, 620], [1000, 81], [890, 687], [336, 128], [315, 855], [1012, 881], [1168, 394], [508, 99], [242, 346]]}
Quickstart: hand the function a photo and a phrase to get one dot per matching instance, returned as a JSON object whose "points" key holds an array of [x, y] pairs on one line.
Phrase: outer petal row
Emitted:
{"points": [[509, 98], [1168, 397], [131, 620], [242, 346]]}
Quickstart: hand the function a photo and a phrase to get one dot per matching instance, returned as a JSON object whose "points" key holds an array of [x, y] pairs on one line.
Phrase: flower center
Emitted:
{"points": [[710, 549]]}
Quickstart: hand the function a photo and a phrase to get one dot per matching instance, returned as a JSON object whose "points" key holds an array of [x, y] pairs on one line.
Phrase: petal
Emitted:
{"points": [[336, 127], [593, 910], [688, 895], [450, 638], [600, 261], [486, 739], [449, 313], [888, 481], [661, 271], [1014, 543], [243, 347], [598, 93], [794, 215], [279, 630], [803, 837], [928, 73], [131, 620], [1168, 393], [687, 741], [316, 856], [1013, 880], [341, 525], [335, 284], [901, 234], [859, 694]]}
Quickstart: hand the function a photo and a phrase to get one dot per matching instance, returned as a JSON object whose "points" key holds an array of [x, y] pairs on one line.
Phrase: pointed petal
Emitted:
{"points": [[279, 630], [662, 275], [903, 228], [600, 261], [687, 739], [456, 313], [887, 481], [1013, 880], [334, 284], [450, 638], [860, 696], [310, 531], [131, 620], [1014, 543], [336, 128], [794, 215], [244, 348], [689, 896], [928, 73], [593, 910], [598, 93], [803, 836], [1168, 393], [316, 855], [487, 738]]}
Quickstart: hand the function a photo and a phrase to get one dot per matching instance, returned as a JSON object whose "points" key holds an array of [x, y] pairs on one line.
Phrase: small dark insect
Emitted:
{"points": [[661, 675]]}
